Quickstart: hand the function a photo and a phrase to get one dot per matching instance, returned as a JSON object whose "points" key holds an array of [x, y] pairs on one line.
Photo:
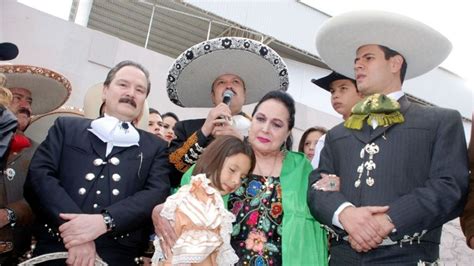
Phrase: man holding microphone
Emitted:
{"points": [[254, 70]]}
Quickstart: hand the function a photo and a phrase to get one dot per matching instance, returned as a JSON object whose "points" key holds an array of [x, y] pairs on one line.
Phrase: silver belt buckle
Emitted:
{"points": [[388, 242], [427, 263], [385, 242]]}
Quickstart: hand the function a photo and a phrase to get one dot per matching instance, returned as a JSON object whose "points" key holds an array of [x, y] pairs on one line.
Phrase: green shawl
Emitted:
{"points": [[304, 242]]}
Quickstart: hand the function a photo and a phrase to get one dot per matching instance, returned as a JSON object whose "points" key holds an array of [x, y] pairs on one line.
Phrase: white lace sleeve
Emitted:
{"points": [[158, 255], [172, 203], [226, 254]]}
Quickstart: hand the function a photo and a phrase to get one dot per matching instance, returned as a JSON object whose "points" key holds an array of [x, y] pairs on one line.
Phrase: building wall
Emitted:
{"points": [[297, 24], [84, 56]]}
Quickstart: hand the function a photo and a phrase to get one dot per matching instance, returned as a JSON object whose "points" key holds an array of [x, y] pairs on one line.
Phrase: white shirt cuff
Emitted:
{"points": [[335, 217]]}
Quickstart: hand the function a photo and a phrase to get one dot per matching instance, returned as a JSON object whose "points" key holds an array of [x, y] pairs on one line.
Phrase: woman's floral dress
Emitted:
{"points": [[256, 235]]}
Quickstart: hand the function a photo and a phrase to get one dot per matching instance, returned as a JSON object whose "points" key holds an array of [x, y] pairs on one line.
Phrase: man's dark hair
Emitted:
{"points": [[116, 68], [153, 111], [389, 53]]}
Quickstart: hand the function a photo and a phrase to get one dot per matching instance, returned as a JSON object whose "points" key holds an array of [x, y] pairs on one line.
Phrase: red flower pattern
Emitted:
{"points": [[277, 209]]}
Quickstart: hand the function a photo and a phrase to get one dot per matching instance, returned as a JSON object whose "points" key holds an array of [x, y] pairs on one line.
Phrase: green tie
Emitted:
{"points": [[378, 107]]}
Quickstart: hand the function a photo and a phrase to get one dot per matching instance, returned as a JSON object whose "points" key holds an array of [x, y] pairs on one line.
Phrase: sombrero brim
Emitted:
{"points": [[325, 82], [8, 51], [40, 124], [339, 38], [192, 74], [93, 101], [49, 89]]}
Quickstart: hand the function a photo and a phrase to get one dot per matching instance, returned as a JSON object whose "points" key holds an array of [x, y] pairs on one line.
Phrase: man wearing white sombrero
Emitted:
{"points": [[36, 91], [402, 167], [94, 183], [223, 73]]}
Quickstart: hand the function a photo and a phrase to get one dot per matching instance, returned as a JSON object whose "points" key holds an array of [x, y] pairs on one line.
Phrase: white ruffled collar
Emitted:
{"points": [[111, 130]]}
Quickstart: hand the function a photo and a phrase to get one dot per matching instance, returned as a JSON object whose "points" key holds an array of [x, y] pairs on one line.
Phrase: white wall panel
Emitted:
{"points": [[286, 20]]}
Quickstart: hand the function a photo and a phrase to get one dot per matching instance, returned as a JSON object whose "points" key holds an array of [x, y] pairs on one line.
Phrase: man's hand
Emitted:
{"points": [[82, 255], [364, 231], [220, 112], [3, 217], [386, 225], [163, 230], [81, 228]]}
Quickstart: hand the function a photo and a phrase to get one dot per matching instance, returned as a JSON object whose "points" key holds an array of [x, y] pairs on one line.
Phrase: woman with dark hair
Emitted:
{"points": [[273, 224], [169, 121], [309, 140]]}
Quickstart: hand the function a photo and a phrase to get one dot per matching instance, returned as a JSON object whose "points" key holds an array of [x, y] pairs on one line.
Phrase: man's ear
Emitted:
{"points": [[104, 92], [212, 97], [396, 63]]}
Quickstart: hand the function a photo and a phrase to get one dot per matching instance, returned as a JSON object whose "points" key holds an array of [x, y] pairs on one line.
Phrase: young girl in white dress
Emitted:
{"points": [[197, 212]]}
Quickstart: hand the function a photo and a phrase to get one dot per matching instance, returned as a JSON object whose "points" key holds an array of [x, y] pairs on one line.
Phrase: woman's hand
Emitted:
{"points": [[328, 183], [163, 230]]}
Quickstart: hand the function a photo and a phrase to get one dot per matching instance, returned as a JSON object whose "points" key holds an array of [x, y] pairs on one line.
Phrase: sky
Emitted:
{"points": [[451, 18]]}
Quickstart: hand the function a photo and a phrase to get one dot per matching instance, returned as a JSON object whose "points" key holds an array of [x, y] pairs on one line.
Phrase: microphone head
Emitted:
{"points": [[228, 94]]}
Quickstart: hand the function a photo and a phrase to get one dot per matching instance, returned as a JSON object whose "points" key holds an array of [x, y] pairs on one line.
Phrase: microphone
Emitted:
{"points": [[228, 94]]}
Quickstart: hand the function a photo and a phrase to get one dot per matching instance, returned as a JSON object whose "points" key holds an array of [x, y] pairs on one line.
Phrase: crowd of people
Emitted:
{"points": [[228, 189]]}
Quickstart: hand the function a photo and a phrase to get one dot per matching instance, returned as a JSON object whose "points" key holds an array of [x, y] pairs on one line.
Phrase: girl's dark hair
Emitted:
{"points": [[306, 133], [289, 103], [212, 159], [170, 114]]}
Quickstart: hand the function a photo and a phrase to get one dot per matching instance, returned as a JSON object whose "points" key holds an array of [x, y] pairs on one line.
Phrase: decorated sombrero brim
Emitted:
{"points": [[339, 38], [93, 102], [49, 89], [325, 82], [191, 76], [8, 51], [40, 124]]}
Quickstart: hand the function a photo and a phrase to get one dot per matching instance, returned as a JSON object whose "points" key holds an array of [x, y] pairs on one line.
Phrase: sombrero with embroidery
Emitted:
{"points": [[48, 88], [193, 72], [93, 103], [339, 38], [8, 51]]}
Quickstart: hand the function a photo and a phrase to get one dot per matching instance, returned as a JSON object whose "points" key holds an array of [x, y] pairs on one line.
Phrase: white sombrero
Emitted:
{"points": [[40, 124], [192, 74], [49, 89], [339, 38], [93, 102]]}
